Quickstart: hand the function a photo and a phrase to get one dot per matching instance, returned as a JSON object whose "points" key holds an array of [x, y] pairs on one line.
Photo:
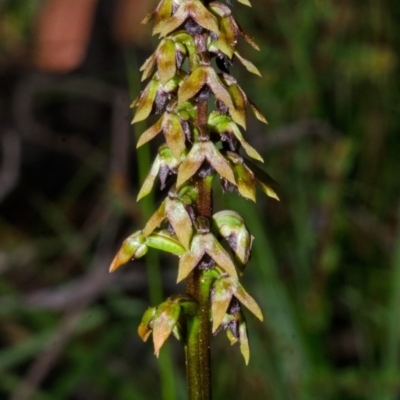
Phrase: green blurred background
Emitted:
{"points": [[326, 259]]}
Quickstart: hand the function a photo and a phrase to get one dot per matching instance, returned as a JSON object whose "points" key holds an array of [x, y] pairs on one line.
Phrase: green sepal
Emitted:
{"points": [[165, 241], [146, 324], [163, 159], [230, 225], [222, 123]]}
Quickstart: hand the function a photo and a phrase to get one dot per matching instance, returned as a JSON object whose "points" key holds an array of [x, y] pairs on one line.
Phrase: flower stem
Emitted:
{"points": [[198, 286], [198, 339]]}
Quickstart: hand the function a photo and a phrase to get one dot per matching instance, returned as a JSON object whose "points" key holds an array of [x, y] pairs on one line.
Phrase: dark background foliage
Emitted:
{"points": [[326, 261]]}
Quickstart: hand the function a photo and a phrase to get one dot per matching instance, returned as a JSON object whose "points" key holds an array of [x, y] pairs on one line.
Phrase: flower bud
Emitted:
{"points": [[133, 247]]}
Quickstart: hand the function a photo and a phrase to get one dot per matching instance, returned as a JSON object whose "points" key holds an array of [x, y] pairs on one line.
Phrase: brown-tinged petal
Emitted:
{"points": [[267, 184], [149, 66], [156, 219], [194, 9], [244, 339], [218, 88], [228, 37], [192, 84], [191, 164], [150, 133], [217, 252], [146, 323], [166, 60], [245, 2], [247, 37], [239, 100], [191, 258], [132, 247], [217, 160], [240, 293], [257, 112], [163, 13], [251, 151], [174, 134], [135, 102], [150, 178], [146, 100], [149, 17], [244, 176], [179, 17], [166, 317], [248, 64], [199, 152], [221, 297], [180, 221], [202, 16]]}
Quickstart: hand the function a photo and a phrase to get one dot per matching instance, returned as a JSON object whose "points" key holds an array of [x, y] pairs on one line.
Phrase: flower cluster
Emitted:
{"points": [[202, 112]]}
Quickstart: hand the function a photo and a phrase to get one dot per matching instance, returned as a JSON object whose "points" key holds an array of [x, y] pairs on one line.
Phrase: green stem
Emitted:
{"points": [[198, 286], [198, 340]]}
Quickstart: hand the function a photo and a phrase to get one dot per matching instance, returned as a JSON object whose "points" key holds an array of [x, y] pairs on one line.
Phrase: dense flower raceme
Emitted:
{"points": [[181, 76]]}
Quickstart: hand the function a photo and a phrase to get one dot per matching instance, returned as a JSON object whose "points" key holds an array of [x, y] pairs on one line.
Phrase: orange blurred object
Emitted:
{"points": [[127, 27], [63, 33]]}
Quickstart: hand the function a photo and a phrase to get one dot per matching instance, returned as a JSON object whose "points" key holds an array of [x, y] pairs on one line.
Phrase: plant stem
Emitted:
{"points": [[198, 286]]}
